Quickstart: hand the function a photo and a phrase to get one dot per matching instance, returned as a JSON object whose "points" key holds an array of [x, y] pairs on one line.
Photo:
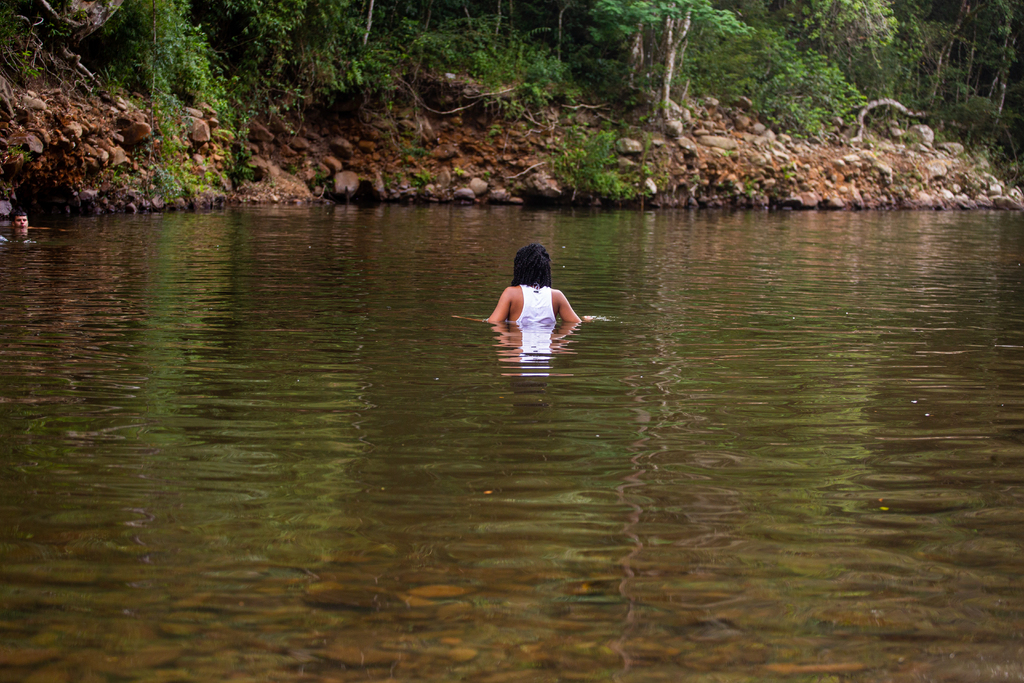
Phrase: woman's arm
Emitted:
{"points": [[501, 311], [562, 308]]}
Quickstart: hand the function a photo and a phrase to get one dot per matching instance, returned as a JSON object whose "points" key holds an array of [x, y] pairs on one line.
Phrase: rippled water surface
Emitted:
{"points": [[257, 446]]}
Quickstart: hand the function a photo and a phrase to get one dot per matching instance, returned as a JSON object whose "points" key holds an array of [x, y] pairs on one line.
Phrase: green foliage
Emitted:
{"points": [[803, 91], [178, 63], [799, 90], [175, 174], [587, 162], [421, 179], [17, 54]]}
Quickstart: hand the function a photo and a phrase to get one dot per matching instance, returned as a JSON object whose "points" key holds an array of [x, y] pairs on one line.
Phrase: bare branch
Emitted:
{"points": [[879, 103], [510, 177]]}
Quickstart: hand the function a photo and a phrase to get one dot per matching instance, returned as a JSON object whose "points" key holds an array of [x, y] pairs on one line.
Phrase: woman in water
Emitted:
{"points": [[530, 300]]}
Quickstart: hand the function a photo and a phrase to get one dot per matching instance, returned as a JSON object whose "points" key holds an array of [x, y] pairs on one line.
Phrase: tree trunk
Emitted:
{"points": [[636, 54], [369, 23], [82, 17], [676, 31], [944, 52], [561, 11]]}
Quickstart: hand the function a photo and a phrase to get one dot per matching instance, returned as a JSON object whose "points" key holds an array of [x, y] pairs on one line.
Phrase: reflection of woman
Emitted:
{"points": [[531, 300], [532, 345]]}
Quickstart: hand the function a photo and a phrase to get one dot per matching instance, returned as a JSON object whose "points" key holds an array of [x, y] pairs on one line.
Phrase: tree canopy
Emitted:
{"points": [[802, 62]]}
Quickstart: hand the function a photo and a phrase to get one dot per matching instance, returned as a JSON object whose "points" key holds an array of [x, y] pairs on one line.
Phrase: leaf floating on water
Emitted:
{"points": [[439, 591]]}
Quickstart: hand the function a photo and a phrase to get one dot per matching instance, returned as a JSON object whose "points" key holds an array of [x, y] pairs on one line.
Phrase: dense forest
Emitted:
{"points": [[802, 63]]}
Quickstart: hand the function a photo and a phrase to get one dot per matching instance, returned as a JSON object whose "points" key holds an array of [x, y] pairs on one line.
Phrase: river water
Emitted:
{"points": [[256, 446]]}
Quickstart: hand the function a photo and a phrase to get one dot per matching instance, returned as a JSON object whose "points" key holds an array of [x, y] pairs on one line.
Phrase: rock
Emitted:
{"points": [[88, 196], [883, 170], [810, 200], [935, 170], [341, 147], [743, 103], [260, 168], [200, 131], [650, 187], [131, 208], [479, 186], [806, 200], [33, 103], [995, 190], [924, 200], [946, 195], [277, 126], [367, 146], [118, 157], [688, 146], [758, 129], [952, 148], [674, 128], [158, 203], [333, 164], [346, 183], [742, 123], [718, 141], [299, 144], [983, 201], [464, 194], [541, 185], [6, 209], [834, 204], [6, 97], [921, 133], [259, 133], [499, 196], [26, 140], [1007, 203], [73, 130], [444, 178], [629, 146], [445, 151], [135, 133]]}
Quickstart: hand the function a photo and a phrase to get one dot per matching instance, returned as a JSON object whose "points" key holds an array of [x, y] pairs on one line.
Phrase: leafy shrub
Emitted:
{"points": [[800, 90], [179, 62], [587, 162]]}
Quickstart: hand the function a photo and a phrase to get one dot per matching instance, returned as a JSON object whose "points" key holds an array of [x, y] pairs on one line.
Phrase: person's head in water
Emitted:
{"points": [[20, 223], [532, 266]]}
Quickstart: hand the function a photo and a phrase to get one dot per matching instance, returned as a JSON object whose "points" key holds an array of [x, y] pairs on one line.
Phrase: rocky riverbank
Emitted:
{"points": [[65, 154]]}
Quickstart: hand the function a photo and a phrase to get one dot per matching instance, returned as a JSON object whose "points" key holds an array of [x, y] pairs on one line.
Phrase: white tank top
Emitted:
{"points": [[537, 309]]}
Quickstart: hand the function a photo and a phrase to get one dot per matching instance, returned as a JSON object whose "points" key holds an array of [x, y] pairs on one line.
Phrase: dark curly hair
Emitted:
{"points": [[532, 266]]}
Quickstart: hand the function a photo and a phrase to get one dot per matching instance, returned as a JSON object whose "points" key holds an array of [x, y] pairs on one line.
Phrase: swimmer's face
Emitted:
{"points": [[20, 222]]}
